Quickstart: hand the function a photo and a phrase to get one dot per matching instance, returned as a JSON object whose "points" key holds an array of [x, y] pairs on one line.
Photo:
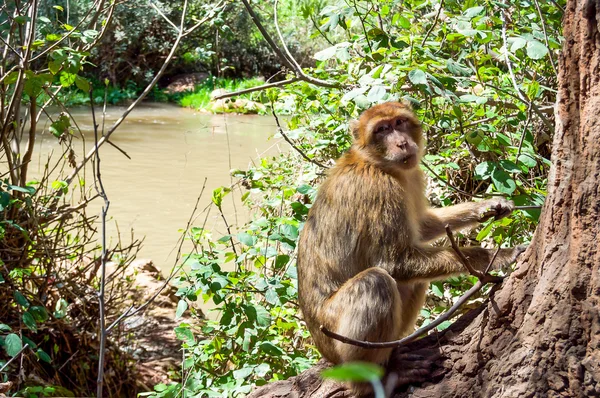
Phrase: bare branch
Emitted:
{"points": [[285, 137], [257, 88], [418, 333], [26, 346], [435, 21], [290, 63]]}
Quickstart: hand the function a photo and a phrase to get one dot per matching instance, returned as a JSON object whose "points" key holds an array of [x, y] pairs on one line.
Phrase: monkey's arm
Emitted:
{"points": [[433, 223], [430, 263]]}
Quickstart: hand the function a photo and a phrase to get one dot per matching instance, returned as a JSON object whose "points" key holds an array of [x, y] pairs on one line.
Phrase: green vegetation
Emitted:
{"points": [[480, 74], [487, 119]]}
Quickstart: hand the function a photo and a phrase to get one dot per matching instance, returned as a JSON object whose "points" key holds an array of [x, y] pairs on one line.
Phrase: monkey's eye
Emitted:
{"points": [[399, 122], [383, 129]]}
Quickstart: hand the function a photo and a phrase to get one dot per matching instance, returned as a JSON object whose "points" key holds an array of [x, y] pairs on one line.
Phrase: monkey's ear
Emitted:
{"points": [[353, 124]]}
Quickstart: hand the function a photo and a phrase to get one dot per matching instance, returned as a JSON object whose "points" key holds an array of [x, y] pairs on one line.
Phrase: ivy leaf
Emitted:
{"points": [[517, 44], [354, 371], [527, 160], [376, 93], [41, 354], [536, 50], [484, 170], [29, 321], [247, 239], [13, 344], [82, 84], [417, 76], [20, 299], [326, 54], [503, 182], [67, 79], [509, 166], [181, 307], [270, 348], [184, 333], [39, 313]]}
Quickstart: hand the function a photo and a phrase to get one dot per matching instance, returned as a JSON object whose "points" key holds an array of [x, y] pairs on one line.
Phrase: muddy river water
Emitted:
{"points": [[173, 150]]}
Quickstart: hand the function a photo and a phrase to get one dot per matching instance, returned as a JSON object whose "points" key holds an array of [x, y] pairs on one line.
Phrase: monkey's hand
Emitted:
{"points": [[496, 208], [517, 251]]}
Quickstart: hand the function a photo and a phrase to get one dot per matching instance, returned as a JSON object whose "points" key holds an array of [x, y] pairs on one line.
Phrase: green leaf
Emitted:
{"points": [[20, 299], [484, 170], [417, 76], [67, 79], [376, 93], [503, 182], [247, 239], [437, 289], [270, 348], [473, 12], [536, 50], [326, 54], [39, 313], [181, 307], [12, 344], [4, 328], [404, 22], [509, 166], [184, 333], [33, 86], [527, 160], [354, 371], [54, 66], [82, 84], [242, 373], [517, 44], [444, 325], [29, 321], [41, 354], [484, 232]]}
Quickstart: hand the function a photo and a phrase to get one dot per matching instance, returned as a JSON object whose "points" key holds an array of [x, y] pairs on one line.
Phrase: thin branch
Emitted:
{"points": [[418, 333], [506, 58], [287, 51], [464, 260], [543, 20], [435, 21], [283, 57], [101, 304], [164, 16], [257, 88], [118, 149], [532, 207], [285, 137], [26, 346], [448, 183]]}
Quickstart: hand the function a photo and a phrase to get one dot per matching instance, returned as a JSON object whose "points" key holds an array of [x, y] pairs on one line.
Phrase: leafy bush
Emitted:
{"points": [[485, 99]]}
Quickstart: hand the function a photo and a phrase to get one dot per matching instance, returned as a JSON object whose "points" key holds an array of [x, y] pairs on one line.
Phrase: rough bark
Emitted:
{"points": [[539, 334]]}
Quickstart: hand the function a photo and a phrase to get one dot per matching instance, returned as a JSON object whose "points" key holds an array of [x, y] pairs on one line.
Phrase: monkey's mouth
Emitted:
{"points": [[406, 159]]}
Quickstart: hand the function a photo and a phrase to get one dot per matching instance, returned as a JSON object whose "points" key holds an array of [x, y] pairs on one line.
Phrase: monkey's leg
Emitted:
{"points": [[367, 307], [433, 223], [430, 263]]}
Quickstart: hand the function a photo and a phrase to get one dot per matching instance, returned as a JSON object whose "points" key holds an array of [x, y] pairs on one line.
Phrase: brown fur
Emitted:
{"points": [[363, 261]]}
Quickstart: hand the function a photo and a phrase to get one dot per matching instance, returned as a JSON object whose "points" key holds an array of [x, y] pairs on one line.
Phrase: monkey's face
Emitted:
{"points": [[395, 142], [390, 133]]}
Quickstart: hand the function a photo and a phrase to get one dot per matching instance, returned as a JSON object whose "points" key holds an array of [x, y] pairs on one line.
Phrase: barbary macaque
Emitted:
{"points": [[364, 262]]}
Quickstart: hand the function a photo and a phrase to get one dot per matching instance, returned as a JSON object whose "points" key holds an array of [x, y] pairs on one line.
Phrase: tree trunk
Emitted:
{"points": [[539, 335]]}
